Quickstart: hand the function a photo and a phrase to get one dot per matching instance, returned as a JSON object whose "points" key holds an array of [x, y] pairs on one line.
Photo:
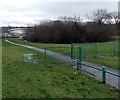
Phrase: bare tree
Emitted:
{"points": [[102, 16], [70, 19], [108, 18], [115, 17], [87, 16]]}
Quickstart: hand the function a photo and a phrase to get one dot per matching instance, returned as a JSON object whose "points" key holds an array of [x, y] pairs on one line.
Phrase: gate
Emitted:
{"points": [[62, 56]]}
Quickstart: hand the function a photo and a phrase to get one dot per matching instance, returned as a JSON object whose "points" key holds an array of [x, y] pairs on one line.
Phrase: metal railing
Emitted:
{"points": [[104, 71], [95, 49], [62, 56]]}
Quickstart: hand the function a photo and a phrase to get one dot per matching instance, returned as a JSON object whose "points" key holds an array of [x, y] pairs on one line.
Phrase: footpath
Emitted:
{"points": [[110, 79]]}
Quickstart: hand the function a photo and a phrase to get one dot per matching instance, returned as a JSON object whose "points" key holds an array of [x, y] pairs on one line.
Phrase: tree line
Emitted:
{"points": [[73, 30]]}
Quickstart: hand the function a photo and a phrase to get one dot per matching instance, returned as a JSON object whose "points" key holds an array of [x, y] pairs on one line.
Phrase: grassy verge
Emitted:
{"points": [[116, 37], [40, 45], [32, 80], [109, 61]]}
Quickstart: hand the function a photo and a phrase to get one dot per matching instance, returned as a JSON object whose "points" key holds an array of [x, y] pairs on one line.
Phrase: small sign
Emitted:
{"points": [[30, 58]]}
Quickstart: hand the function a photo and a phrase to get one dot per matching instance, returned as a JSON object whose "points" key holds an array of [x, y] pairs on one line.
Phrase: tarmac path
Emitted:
{"points": [[110, 79]]}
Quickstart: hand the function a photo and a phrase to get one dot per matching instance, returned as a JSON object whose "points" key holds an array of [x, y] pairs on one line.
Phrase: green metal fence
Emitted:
{"points": [[95, 49], [62, 56], [104, 71]]}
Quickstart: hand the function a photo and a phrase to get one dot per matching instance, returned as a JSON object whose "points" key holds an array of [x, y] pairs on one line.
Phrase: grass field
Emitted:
{"points": [[103, 49], [40, 45], [107, 60], [93, 49], [116, 37], [32, 80]]}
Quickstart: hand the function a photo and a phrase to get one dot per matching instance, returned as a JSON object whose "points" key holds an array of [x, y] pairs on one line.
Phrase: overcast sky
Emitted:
{"points": [[24, 12]]}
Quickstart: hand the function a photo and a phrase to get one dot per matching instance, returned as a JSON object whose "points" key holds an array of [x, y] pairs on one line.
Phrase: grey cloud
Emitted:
{"points": [[49, 10]]}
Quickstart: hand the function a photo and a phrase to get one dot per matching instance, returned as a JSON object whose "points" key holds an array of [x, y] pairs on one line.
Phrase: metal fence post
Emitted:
{"points": [[114, 48], [96, 51], [45, 58], [71, 51], [24, 41], [78, 64], [80, 55], [103, 74], [33, 58]]}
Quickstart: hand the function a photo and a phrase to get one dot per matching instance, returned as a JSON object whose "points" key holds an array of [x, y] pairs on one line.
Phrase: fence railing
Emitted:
{"points": [[95, 49], [104, 71], [62, 56]]}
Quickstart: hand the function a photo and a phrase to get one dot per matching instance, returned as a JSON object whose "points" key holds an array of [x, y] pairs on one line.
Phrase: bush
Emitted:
{"points": [[69, 32]]}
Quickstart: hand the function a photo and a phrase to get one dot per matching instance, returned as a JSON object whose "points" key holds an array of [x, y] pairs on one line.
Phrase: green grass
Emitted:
{"points": [[108, 60], [40, 45], [32, 80], [93, 49], [89, 49], [115, 37]]}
